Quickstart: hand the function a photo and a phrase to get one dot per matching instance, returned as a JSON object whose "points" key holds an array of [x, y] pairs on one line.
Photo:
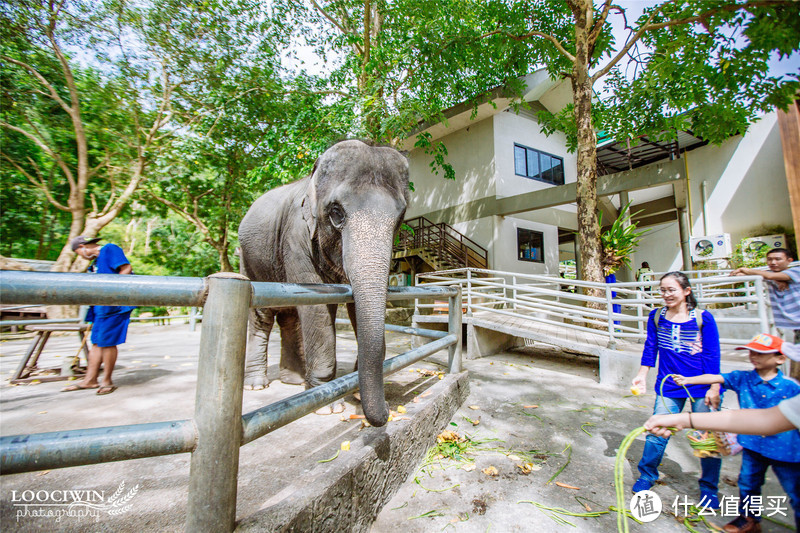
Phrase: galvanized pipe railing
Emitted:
{"points": [[218, 430], [543, 299]]}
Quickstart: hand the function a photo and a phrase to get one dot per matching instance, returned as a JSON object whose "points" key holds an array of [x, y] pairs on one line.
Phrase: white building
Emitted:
{"points": [[515, 186]]}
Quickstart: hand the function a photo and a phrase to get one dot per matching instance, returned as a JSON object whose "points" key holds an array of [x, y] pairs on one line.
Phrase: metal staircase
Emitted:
{"points": [[439, 245]]}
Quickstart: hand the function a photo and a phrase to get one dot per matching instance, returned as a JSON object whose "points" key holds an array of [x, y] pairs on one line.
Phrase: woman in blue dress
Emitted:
{"points": [[685, 341]]}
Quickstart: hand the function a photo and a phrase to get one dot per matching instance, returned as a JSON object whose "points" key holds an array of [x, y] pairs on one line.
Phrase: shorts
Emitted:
{"points": [[110, 330]]}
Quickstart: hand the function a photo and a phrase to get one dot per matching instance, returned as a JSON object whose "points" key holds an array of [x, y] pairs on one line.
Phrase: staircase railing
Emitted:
{"points": [[442, 240]]}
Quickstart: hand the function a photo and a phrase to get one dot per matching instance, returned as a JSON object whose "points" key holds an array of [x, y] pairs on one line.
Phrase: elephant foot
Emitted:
{"points": [[334, 408], [257, 382], [291, 378]]}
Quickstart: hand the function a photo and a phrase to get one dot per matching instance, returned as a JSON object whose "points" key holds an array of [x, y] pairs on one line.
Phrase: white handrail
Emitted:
{"points": [[548, 300]]}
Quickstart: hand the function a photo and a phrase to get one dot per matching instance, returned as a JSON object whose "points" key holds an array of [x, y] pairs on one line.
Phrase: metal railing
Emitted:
{"points": [[195, 315], [551, 300], [442, 240], [218, 429]]}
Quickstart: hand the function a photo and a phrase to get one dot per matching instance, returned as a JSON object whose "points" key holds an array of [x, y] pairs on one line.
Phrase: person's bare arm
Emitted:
{"points": [[766, 274], [745, 421], [125, 269], [702, 379]]}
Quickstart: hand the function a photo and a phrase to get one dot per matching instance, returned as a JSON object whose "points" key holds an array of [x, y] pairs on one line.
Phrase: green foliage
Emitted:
{"points": [[757, 258], [619, 241], [711, 77], [438, 151]]}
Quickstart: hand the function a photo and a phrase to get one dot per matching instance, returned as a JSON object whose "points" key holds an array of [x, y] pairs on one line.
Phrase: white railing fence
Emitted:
{"points": [[739, 304]]}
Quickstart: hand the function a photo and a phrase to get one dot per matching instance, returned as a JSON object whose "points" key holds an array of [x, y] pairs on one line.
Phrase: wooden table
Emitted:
{"points": [[28, 364]]}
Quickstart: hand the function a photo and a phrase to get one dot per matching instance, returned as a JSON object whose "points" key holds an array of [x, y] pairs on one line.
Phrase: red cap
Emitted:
{"points": [[763, 343]]}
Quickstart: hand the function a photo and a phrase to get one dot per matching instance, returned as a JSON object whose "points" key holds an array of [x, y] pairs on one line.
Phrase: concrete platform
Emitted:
{"points": [[156, 376]]}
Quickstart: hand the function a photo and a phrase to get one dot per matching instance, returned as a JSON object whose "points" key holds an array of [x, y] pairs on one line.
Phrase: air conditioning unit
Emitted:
{"points": [[398, 280], [710, 247], [752, 246]]}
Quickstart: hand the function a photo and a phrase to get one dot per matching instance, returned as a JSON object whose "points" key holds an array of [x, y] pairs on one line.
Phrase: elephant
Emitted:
{"points": [[336, 225]]}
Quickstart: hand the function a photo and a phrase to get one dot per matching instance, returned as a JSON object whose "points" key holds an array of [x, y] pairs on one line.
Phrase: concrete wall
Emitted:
{"points": [[746, 188], [510, 128], [481, 231], [479, 174], [471, 152], [505, 253]]}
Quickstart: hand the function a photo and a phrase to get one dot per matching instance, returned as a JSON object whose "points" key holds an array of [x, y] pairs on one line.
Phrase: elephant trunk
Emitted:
{"points": [[367, 245]]}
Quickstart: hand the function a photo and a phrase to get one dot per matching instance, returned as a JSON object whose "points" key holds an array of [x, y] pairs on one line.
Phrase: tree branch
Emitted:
{"points": [[39, 184], [598, 28], [41, 79], [648, 26], [46, 149], [703, 16], [528, 35], [198, 223], [340, 27]]}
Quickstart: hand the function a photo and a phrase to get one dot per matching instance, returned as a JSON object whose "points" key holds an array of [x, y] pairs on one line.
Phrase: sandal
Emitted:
{"points": [[77, 387], [106, 389]]}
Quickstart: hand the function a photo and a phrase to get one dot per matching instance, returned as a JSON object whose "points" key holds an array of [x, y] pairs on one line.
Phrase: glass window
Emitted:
{"points": [[538, 165], [533, 163], [519, 160], [530, 245], [547, 167]]}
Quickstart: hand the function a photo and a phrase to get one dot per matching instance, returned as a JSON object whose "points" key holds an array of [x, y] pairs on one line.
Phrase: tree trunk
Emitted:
{"points": [[224, 262], [589, 229]]}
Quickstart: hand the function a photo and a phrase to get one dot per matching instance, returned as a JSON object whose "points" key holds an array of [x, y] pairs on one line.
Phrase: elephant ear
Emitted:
{"points": [[309, 206]]}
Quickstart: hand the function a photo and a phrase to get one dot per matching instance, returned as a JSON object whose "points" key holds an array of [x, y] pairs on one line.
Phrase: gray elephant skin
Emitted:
{"points": [[335, 226]]}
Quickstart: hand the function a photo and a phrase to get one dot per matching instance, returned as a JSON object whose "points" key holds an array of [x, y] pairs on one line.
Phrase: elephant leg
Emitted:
{"points": [[259, 325], [292, 360], [317, 323]]}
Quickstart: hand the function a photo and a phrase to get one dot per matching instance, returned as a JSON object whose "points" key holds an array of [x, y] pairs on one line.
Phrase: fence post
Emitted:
{"points": [[469, 292], [612, 342], [514, 292], [193, 319], [218, 405], [416, 300], [763, 303], [454, 328]]}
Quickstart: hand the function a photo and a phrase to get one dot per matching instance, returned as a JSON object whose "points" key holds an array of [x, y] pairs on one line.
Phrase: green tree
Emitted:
{"points": [[699, 65], [82, 136]]}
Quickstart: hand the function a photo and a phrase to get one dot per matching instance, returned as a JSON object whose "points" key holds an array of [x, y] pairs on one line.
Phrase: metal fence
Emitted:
{"points": [[563, 302], [218, 429]]}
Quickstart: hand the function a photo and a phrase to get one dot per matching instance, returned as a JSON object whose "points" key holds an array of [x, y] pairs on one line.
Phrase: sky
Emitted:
{"points": [[308, 60]]}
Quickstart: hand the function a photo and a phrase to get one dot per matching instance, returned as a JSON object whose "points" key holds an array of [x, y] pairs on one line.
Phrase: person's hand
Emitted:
{"points": [[712, 398], [680, 380], [639, 384], [659, 424]]}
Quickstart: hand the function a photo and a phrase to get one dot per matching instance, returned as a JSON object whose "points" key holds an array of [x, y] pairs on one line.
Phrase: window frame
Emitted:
{"points": [[520, 256], [539, 176]]}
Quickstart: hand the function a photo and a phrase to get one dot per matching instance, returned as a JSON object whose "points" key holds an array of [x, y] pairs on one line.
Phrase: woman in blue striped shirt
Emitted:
{"points": [[685, 341]]}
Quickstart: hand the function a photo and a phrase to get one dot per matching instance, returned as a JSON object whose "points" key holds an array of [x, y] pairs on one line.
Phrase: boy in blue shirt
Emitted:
{"points": [[109, 322], [763, 387]]}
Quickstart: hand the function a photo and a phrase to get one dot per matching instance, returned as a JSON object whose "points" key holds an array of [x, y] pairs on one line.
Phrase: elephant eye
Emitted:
{"points": [[336, 214]]}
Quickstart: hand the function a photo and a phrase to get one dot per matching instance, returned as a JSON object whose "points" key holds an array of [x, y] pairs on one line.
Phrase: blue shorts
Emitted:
{"points": [[110, 330]]}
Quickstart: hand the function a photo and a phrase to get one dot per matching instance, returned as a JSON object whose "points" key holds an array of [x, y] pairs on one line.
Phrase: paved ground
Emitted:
{"points": [[156, 375]]}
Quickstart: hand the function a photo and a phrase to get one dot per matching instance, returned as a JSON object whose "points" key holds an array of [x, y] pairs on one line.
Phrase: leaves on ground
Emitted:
{"points": [[429, 514], [491, 471]]}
